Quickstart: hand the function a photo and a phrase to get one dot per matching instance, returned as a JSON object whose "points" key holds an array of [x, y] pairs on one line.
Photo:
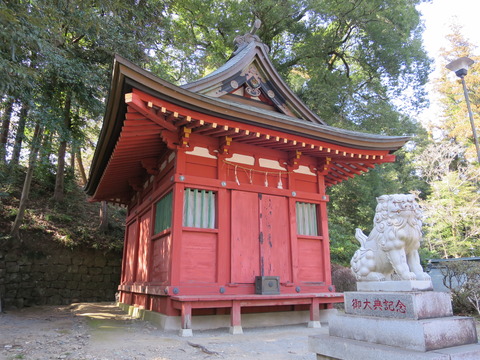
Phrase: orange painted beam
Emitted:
{"points": [[133, 100], [253, 130]]}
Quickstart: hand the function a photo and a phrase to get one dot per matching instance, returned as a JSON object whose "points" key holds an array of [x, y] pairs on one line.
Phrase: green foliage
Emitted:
{"points": [[448, 164], [426, 254], [453, 122], [19, 35], [59, 217], [10, 181], [355, 63], [44, 175], [359, 57], [452, 214], [57, 56], [51, 50]]}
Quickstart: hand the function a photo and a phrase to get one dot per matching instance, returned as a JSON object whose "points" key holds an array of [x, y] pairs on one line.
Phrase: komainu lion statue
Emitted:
{"points": [[390, 252]]}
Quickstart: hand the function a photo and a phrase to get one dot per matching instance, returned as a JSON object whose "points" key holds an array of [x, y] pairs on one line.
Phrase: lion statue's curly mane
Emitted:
{"points": [[390, 252]]}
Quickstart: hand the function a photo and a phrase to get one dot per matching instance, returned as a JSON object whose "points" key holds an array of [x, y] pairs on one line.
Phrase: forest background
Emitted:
{"points": [[359, 65]]}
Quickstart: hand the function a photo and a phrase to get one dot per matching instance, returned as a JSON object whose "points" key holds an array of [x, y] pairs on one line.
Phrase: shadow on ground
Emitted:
{"points": [[101, 331]]}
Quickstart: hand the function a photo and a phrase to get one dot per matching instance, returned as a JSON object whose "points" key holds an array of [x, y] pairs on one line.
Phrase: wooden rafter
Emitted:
{"points": [[217, 127], [134, 101]]}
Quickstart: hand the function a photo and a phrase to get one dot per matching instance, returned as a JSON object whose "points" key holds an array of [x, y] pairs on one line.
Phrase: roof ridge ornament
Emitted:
{"points": [[242, 41]]}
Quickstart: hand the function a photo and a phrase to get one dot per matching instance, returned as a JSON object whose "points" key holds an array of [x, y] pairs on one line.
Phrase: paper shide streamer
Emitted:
{"points": [[250, 173]]}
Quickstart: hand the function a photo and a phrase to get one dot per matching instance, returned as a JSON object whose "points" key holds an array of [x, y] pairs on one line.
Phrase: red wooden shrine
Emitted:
{"points": [[224, 179]]}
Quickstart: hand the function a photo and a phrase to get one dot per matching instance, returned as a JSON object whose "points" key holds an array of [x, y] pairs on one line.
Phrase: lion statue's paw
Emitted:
{"points": [[375, 276], [408, 276]]}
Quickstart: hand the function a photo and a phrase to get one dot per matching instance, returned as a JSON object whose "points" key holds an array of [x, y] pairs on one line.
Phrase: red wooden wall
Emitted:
{"points": [[255, 229]]}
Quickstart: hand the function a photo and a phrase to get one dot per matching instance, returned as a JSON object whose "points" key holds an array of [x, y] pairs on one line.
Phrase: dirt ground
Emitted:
{"points": [[101, 331]]}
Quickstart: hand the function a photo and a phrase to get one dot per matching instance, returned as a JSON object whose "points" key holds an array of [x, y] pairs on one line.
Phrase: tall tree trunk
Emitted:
{"points": [[81, 167], [37, 135], [72, 160], [19, 136], [58, 194], [74, 144], [103, 217], [7, 114]]}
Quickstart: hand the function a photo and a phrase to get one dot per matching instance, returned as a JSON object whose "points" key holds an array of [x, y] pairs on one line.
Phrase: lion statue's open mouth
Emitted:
{"points": [[390, 252]]}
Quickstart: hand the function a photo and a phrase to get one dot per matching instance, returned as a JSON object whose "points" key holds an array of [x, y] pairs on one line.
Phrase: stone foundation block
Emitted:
{"points": [[185, 332], [330, 347], [420, 335], [235, 330]]}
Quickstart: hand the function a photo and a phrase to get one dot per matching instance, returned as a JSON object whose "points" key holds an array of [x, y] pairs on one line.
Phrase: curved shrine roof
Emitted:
{"points": [[244, 100]]}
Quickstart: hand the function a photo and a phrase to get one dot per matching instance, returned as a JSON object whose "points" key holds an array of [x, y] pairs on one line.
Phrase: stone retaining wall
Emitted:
{"points": [[56, 275]]}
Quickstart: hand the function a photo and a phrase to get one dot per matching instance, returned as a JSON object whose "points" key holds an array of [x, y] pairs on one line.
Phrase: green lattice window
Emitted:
{"points": [[199, 209], [163, 213], [307, 219]]}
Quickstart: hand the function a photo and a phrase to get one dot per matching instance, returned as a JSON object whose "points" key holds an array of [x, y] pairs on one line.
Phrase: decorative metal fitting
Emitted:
{"points": [[176, 291], [297, 289], [222, 290]]}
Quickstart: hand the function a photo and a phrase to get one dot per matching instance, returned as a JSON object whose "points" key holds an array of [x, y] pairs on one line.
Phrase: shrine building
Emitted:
{"points": [[224, 179]]}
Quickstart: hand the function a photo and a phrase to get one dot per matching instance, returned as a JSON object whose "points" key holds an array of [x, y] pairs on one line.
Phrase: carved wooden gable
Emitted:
{"points": [[250, 78]]}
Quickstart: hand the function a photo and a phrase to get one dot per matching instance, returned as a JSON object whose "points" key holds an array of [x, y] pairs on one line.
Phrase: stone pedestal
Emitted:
{"points": [[386, 324]]}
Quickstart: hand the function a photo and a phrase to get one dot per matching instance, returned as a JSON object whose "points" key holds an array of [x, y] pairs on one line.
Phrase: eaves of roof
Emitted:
{"points": [[127, 76]]}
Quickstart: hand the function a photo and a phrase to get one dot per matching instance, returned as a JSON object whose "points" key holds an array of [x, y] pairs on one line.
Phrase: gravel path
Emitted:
{"points": [[101, 331]]}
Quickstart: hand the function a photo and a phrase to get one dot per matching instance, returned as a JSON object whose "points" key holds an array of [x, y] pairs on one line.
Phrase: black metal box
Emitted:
{"points": [[267, 285]]}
